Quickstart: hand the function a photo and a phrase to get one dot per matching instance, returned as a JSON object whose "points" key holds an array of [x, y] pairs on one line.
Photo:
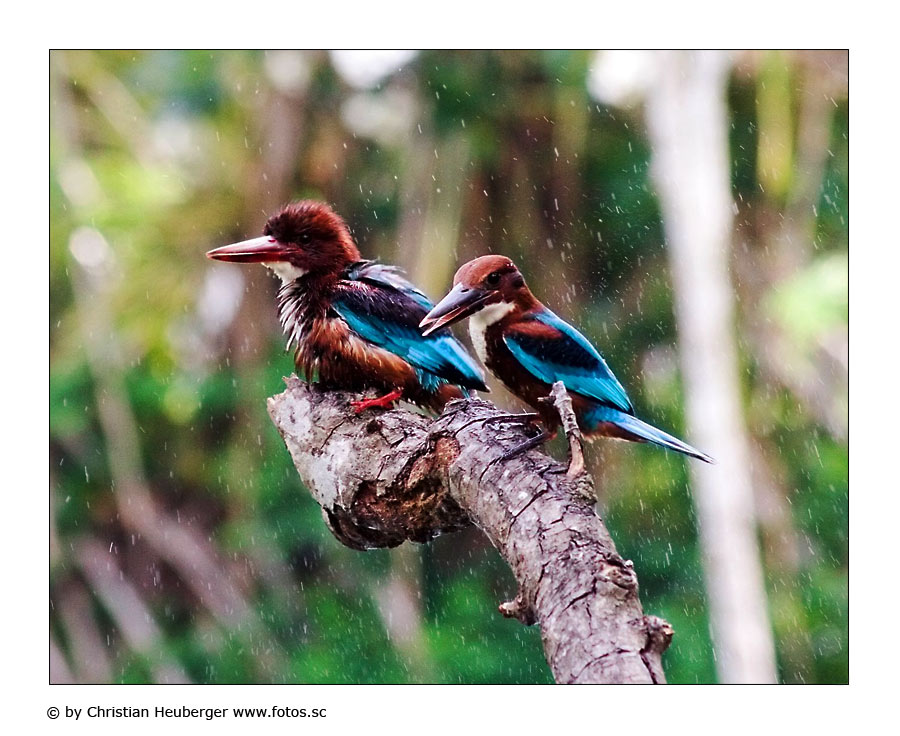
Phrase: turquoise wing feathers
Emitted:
{"points": [[562, 353], [385, 310]]}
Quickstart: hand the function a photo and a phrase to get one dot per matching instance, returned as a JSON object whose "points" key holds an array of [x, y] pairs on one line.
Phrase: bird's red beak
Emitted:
{"points": [[458, 304], [255, 250]]}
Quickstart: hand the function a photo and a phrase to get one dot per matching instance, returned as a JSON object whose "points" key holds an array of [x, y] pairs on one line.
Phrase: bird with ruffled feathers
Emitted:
{"points": [[353, 323]]}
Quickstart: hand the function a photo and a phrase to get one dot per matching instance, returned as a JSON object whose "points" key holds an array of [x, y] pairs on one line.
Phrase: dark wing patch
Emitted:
{"points": [[552, 350], [388, 316], [378, 274]]}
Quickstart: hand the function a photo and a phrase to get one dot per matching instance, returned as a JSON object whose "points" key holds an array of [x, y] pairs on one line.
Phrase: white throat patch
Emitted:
{"points": [[481, 320], [286, 271]]}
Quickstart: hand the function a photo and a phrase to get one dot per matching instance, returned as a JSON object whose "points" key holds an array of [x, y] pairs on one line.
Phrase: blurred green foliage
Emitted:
{"points": [[163, 155]]}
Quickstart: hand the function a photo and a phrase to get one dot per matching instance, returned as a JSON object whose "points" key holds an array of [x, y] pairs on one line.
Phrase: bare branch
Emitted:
{"points": [[563, 403], [385, 478]]}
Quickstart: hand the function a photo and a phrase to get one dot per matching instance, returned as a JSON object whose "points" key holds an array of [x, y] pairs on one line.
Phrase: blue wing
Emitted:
{"points": [[553, 350], [385, 309]]}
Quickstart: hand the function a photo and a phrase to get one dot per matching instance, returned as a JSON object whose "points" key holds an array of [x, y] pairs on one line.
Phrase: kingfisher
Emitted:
{"points": [[529, 348], [353, 323]]}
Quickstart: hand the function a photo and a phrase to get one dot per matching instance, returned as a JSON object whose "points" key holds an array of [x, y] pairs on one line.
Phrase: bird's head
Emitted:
{"points": [[304, 237], [491, 283]]}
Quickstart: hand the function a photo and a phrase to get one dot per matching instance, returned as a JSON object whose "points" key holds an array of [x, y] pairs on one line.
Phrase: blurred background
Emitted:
{"points": [[688, 212]]}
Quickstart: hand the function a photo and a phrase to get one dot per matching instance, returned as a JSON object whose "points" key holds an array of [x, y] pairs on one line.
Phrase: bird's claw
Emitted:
{"points": [[382, 402], [524, 418], [528, 444]]}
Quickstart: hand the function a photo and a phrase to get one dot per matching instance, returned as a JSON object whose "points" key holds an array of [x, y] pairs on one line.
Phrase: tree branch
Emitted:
{"points": [[563, 403], [393, 476]]}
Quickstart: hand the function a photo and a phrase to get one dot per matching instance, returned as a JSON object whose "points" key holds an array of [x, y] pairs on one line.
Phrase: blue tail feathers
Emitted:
{"points": [[643, 431]]}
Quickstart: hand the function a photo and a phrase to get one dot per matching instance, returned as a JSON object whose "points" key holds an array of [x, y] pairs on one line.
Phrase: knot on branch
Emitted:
{"points": [[379, 478], [659, 636], [659, 633], [518, 608]]}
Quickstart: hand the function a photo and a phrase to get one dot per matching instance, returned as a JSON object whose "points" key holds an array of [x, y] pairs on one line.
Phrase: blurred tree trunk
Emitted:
{"points": [[688, 123]]}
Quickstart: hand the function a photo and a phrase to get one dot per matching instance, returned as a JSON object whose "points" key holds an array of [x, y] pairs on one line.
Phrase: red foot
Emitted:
{"points": [[385, 402]]}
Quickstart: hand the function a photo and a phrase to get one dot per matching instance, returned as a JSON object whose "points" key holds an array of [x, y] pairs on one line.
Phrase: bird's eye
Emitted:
{"points": [[493, 278], [304, 238]]}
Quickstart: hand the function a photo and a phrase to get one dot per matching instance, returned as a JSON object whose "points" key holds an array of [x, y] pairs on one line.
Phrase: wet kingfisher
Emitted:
{"points": [[528, 348], [353, 322]]}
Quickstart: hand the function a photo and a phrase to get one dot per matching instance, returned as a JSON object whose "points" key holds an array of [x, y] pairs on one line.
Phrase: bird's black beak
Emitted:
{"points": [[255, 250], [458, 304]]}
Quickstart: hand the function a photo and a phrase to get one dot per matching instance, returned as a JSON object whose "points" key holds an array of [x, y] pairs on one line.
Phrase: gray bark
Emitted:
{"points": [[387, 477]]}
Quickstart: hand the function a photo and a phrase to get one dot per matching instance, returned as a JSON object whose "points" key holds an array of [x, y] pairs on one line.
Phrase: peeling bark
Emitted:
{"points": [[387, 477]]}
